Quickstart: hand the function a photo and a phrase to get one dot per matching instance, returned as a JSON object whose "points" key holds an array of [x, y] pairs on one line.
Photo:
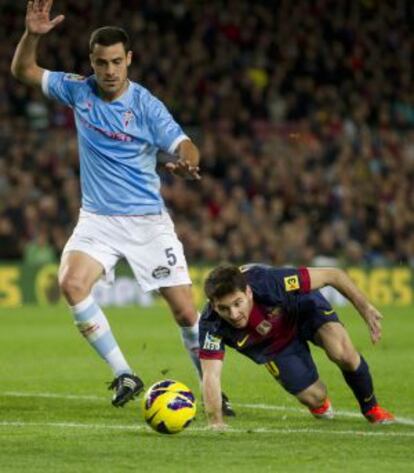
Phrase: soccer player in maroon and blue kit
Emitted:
{"points": [[269, 314]]}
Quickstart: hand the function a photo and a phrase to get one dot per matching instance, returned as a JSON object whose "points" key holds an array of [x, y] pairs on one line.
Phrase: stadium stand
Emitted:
{"points": [[303, 112]]}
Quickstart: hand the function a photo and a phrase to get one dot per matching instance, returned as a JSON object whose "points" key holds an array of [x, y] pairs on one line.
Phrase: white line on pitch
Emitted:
{"points": [[76, 397], [74, 425], [270, 407]]}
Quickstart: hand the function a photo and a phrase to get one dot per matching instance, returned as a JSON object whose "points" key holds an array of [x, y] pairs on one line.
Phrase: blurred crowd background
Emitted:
{"points": [[303, 111]]}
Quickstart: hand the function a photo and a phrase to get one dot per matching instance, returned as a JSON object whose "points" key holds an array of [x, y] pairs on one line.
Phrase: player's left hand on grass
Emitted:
{"points": [[184, 169], [218, 427], [373, 319]]}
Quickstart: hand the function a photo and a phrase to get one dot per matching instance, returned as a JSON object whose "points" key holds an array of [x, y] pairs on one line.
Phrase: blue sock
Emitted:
{"points": [[360, 382]]}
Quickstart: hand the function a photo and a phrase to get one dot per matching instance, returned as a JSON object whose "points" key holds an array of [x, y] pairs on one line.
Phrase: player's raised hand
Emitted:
{"points": [[373, 319], [38, 17], [184, 169]]}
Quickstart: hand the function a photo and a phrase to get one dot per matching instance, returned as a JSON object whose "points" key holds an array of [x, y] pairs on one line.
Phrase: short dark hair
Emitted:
{"points": [[109, 35], [223, 280]]}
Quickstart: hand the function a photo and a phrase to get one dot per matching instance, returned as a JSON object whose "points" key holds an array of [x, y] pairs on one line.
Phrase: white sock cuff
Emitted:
{"points": [[82, 305], [193, 330], [190, 330]]}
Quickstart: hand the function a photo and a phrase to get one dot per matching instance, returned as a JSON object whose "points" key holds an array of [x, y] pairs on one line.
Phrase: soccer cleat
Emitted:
{"points": [[226, 407], [378, 415], [324, 412], [126, 386]]}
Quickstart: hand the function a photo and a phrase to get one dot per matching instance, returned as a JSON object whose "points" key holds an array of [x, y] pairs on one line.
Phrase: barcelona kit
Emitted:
{"points": [[285, 316]]}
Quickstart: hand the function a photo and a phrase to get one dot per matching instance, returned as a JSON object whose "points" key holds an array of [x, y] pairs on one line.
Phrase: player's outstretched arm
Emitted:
{"points": [[212, 393], [187, 164], [320, 277], [24, 65]]}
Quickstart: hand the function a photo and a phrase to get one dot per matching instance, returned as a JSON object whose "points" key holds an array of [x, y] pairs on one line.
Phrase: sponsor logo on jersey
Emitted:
{"points": [[110, 134], [211, 342], [291, 283], [161, 272]]}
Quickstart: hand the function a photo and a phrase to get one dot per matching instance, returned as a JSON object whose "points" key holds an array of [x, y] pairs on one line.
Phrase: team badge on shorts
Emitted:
{"points": [[291, 283], [161, 272]]}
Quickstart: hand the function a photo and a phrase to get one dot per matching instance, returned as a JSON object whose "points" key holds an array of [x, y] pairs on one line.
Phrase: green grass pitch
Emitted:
{"points": [[55, 412]]}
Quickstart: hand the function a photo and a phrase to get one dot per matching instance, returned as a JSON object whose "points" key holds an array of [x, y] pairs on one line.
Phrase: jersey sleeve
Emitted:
{"points": [[277, 285], [165, 131], [62, 86], [294, 280], [211, 343]]}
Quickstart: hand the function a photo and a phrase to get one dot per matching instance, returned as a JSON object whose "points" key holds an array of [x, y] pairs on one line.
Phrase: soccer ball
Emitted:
{"points": [[169, 406]]}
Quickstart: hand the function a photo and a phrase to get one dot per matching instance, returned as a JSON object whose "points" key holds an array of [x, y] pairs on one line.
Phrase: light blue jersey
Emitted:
{"points": [[118, 142]]}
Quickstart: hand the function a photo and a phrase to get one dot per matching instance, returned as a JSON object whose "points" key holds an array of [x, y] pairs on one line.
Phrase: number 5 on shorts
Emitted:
{"points": [[171, 258]]}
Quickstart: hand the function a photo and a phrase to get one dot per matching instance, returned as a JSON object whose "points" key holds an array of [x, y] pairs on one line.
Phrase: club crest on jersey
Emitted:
{"points": [[127, 118], [211, 342], [264, 327], [88, 105], [291, 283]]}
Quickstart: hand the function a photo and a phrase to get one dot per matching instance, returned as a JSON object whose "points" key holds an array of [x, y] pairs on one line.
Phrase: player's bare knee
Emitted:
{"points": [[73, 288], [345, 356]]}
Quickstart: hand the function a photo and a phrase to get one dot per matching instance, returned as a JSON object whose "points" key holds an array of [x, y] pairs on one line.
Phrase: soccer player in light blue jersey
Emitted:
{"points": [[120, 127]]}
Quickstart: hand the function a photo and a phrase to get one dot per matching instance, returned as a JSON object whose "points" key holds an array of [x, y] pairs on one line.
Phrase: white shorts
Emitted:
{"points": [[148, 243]]}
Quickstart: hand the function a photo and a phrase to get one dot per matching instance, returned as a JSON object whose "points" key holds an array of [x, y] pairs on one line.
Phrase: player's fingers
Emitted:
{"points": [[195, 173], [174, 169], [57, 20], [35, 7], [376, 333], [183, 165]]}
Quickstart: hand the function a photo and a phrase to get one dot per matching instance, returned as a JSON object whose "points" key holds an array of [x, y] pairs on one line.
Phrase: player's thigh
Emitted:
{"points": [[92, 248], [79, 266], [181, 302], [335, 340], [294, 367]]}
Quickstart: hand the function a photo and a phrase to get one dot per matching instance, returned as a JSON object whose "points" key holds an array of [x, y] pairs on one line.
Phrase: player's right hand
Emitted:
{"points": [[183, 169], [38, 20]]}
